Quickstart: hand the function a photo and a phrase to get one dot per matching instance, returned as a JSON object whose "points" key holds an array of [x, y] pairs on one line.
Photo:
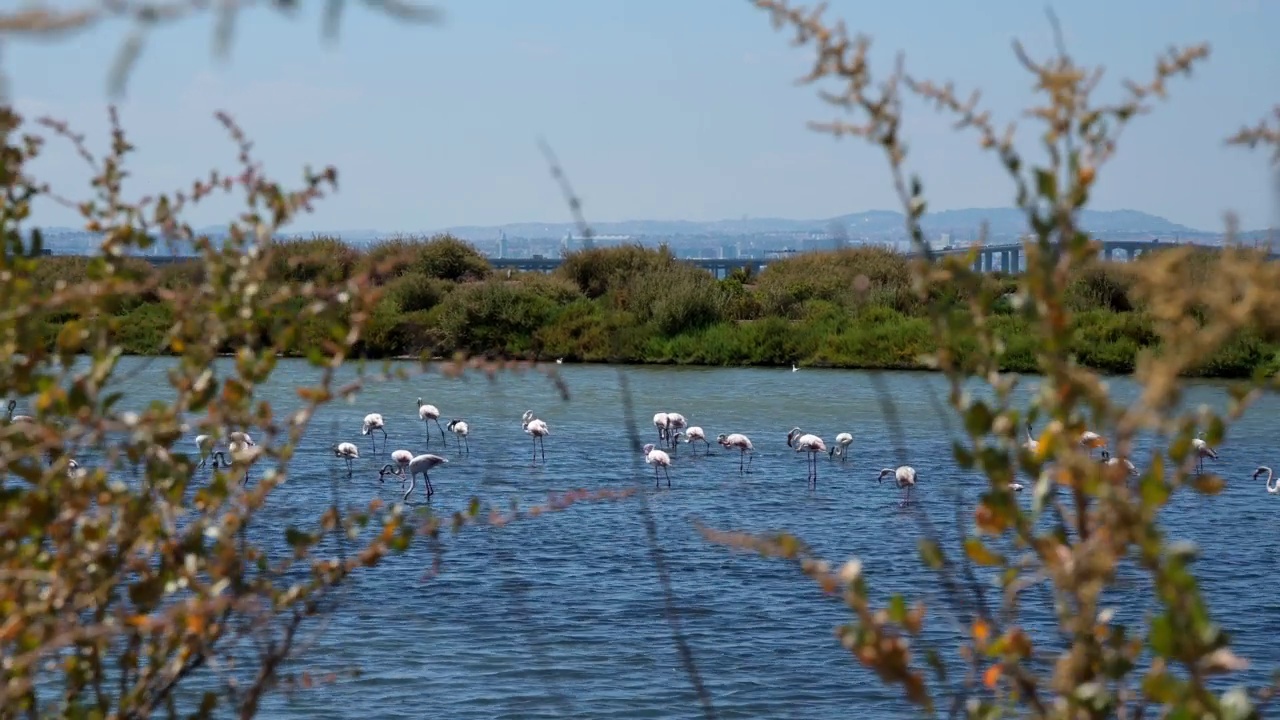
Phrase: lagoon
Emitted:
{"points": [[563, 615]]}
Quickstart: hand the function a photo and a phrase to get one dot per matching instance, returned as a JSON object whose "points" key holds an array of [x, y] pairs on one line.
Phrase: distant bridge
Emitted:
{"points": [[1005, 257]]}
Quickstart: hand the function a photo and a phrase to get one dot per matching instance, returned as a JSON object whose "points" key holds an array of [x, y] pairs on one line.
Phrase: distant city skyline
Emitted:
{"points": [[658, 109]]}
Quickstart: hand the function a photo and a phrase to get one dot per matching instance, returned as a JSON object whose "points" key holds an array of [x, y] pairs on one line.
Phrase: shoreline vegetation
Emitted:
{"points": [[849, 309]]}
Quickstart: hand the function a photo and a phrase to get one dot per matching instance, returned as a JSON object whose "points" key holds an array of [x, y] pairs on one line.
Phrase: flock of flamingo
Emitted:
{"points": [[672, 428]]}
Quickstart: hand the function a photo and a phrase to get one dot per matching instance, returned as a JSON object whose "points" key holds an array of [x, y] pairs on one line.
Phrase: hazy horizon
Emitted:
{"points": [[658, 110]]}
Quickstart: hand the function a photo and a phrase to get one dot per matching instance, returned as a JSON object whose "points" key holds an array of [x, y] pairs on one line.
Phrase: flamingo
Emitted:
{"points": [[237, 440], [244, 450], [1031, 445], [347, 451], [794, 368], [691, 435], [905, 476], [843, 441], [372, 422], [811, 444], [538, 430], [427, 413], [739, 441], [13, 405], [1016, 487], [663, 422], [1273, 483], [402, 458], [1115, 462], [422, 464], [460, 429], [1090, 440], [204, 445], [657, 458], [675, 421], [1202, 451]]}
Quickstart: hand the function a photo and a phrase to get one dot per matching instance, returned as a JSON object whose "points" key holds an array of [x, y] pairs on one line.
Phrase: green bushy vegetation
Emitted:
{"points": [[852, 308]]}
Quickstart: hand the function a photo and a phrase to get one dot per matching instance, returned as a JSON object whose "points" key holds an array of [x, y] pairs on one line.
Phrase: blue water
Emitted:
{"points": [[563, 615]]}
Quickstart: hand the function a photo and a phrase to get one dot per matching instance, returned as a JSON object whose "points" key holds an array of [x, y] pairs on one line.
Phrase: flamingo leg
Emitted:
{"points": [[430, 490], [535, 449], [667, 472], [542, 445], [384, 438], [427, 425], [655, 476], [742, 455], [442, 437], [468, 444]]}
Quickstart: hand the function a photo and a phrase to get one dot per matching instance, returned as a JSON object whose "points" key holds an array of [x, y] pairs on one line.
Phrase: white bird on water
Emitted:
{"points": [[373, 423], [428, 413], [1031, 445], [663, 423], [204, 445], [812, 445], [401, 460], [739, 441], [422, 464], [13, 405], [1115, 461], [794, 368], [693, 434], [347, 451], [461, 430], [675, 423], [1202, 451], [658, 459], [538, 430], [1273, 483], [841, 448], [905, 476]]}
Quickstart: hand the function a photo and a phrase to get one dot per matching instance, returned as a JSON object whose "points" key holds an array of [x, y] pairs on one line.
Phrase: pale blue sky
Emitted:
{"points": [[659, 109]]}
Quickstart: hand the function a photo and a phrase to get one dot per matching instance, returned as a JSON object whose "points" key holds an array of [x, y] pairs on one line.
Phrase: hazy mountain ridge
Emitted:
{"points": [[874, 225], [1001, 221]]}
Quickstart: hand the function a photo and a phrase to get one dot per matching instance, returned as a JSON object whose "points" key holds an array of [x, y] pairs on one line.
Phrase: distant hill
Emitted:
{"points": [[1002, 221], [876, 225]]}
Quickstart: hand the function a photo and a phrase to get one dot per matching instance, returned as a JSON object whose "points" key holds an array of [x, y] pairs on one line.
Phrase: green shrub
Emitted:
{"points": [[448, 258]]}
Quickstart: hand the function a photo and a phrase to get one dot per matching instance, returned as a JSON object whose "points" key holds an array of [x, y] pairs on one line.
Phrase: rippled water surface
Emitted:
{"points": [[563, 615]]}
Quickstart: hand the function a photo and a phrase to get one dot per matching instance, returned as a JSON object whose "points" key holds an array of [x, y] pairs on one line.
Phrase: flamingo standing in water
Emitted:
{"points": [[1090, 440], [812, 445], [538, 430], [905, 476], [675, 422], [428, 413], [422, 464], [373, 423], [1273, 483], [663, 423], [401, 460], [347, 451], [693, 434], [1031, 445], [1115, 461], [658, 459], [204, 444], [461, 429], [1202, 451], [739, 441], [13, 405], [841, 448]]}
